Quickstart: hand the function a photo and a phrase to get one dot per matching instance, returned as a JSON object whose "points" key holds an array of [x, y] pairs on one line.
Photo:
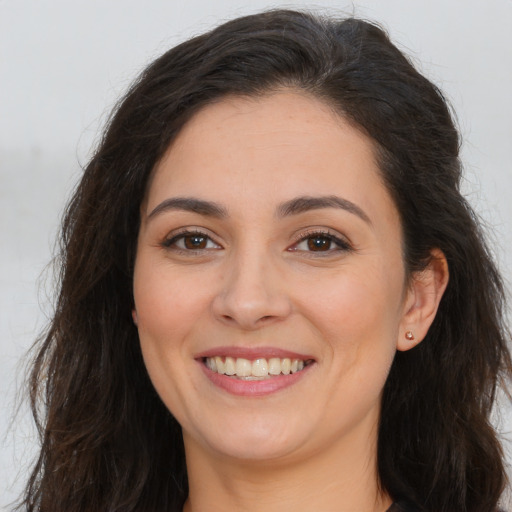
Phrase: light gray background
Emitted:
{"points": [[64, 63]]}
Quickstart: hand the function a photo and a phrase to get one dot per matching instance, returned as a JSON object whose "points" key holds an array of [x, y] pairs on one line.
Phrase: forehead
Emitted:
{"points": [[273, 147]]}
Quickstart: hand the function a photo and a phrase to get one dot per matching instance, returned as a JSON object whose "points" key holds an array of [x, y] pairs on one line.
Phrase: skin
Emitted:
{"points": [[257, 283]]}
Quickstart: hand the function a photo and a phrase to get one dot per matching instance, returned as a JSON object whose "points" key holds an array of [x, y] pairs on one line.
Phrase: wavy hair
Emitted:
{"points": [[107, 440]]}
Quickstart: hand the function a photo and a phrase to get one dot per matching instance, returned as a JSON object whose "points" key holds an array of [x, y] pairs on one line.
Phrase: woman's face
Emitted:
{"points": [[268, 243]]}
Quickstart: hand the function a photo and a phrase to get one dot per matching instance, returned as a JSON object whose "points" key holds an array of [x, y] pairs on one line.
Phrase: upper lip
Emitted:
{"points": [[253, 353]]}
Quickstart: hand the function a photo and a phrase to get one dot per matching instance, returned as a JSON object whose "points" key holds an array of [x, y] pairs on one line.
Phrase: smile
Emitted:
{"points": [[256, 369]]}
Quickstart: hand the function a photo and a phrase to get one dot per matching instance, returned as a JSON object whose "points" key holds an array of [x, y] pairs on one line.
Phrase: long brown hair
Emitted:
{"points": [[107, 441]]}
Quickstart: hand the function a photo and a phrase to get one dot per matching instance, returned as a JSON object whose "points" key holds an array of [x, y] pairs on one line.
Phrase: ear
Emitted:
{"points": [[134, 316], [422, 300]]}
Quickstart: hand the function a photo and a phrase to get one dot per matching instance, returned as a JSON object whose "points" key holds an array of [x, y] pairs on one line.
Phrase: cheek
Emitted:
{"points": [[356, 315], [168, 303], [357, 301], [168, 308]]}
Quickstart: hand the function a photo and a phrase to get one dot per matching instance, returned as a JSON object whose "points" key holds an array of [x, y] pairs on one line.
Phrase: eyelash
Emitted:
{"points": [[171, 243], [341, 243]]}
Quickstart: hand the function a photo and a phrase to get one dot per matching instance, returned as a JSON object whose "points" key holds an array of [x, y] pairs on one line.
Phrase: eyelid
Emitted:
{"points": [[341, 241], [171, 238]]}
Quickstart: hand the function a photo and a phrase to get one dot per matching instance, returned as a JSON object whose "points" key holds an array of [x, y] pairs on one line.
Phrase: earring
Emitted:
{"points": [[409, 335]]}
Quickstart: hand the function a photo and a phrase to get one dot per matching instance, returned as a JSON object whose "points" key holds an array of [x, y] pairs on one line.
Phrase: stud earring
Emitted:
{"points": [[409, 335]]}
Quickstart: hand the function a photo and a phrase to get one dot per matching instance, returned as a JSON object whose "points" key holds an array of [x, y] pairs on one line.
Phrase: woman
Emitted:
{"points": [[273, 295]]}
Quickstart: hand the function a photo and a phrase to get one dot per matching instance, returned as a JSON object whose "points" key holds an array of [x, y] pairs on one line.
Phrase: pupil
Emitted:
{"points": [[195, 242], [319, 243]]}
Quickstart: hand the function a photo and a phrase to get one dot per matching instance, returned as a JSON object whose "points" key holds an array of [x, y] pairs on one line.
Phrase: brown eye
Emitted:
{"points": [[191, 241], [322, 244], [195, 242], [319, 243]]}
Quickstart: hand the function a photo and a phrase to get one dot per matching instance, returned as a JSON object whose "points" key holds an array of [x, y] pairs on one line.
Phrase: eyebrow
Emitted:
{"points": [[306, 203], [190, 204], [294, 206]]}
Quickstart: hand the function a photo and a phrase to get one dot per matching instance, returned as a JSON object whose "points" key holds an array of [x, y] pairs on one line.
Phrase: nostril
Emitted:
{"points": [[247, 322], [249, 306]]}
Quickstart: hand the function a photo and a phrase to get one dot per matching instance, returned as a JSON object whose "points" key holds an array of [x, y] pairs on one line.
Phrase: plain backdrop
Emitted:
{"points": [[64, 63]]}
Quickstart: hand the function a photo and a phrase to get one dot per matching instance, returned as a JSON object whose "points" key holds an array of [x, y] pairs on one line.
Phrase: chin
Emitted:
{"points": [[260, 440], [256, 449]]}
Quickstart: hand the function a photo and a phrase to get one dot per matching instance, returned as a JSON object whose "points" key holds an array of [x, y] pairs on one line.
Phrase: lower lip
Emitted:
{"points": [[254, 387]]}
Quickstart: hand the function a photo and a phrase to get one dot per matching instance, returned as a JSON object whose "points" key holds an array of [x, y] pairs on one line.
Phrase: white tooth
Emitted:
{"points": [[285, 366], [294, 366], [219, 364], [260, 368], [301, 366], [274, 366], [229, 366], [210, 363], [243, 367]]}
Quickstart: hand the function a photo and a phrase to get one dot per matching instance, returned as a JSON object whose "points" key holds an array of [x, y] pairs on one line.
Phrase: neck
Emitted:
{"points": [[343, 479]]}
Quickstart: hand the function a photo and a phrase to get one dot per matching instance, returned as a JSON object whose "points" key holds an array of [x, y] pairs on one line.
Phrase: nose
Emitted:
{"points": [[252, 294]]}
